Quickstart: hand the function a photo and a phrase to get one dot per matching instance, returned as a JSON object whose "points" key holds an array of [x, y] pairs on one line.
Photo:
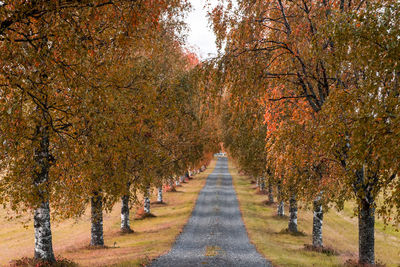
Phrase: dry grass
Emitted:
{"points": [[152, 237], [340, 233]]}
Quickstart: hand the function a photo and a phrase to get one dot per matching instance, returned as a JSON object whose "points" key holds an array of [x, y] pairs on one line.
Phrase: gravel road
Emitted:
{"points": [[215, 234]]}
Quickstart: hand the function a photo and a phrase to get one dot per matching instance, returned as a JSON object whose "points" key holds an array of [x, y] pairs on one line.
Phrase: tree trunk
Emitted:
{"points": [[317, 223], [43, 237], [41, 218], [97, 220], [281, 208], [293, 214], [147, 202], [270, 194], [160, 195], [366, 217], [171, 185], [366, 225], [281, 205], [262, 184], [125, 223]]}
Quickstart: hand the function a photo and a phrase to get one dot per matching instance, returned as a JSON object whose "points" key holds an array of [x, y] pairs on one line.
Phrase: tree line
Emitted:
{"points": [[99, 103], [310, 104]]}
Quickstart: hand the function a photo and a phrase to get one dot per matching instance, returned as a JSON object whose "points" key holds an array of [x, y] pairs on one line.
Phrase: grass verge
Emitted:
{"points": [[340, 232], [152, 237]]}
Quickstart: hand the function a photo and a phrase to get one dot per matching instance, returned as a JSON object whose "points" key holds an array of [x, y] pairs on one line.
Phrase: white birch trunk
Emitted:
{"points": [[97, 238], [125, 222], [147, 202], [41, 218], [317, 223], [160, 195], [43, 237], [293, 214], [147, 205]]}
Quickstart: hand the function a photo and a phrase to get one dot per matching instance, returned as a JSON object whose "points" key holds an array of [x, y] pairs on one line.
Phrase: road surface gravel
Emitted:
{"points": [[215, 234]]}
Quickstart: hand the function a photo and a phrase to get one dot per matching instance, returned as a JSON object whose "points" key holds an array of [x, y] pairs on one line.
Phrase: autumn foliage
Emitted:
{"points": [[99, 100], [324, 75]]}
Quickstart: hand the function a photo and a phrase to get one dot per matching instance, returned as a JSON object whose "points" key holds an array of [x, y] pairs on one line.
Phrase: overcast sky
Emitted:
{"points": [[200, 35]]}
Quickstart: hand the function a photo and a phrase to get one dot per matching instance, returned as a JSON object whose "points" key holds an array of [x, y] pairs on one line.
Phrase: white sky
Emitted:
{"points": [[200, 35]]}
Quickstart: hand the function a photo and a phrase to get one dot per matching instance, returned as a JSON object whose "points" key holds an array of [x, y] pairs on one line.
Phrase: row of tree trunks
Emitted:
{"points": [[42, 227], [293, 210], [125, 222]]}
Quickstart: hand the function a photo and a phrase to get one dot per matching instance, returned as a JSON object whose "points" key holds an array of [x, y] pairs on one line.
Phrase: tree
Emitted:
{"points": [[47, 50], [367, 99], [310, 53]]}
